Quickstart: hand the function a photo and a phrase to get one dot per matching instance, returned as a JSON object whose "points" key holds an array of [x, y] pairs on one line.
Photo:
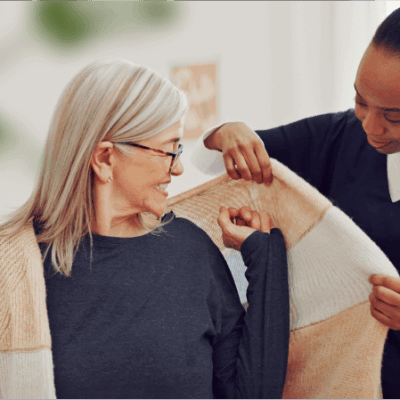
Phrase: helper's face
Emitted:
{"points": [[378, 99], [138, 175]]}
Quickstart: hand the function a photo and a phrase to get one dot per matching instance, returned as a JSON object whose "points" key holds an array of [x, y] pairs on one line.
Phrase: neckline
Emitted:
{"points": [[114, 239]]}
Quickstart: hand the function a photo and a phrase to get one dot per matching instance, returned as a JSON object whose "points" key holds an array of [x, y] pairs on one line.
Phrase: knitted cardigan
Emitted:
{"points": [[335, 347]]}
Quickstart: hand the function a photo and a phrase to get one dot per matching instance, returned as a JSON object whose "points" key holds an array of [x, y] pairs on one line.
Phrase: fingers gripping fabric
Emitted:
{"points": [[336, 346]]}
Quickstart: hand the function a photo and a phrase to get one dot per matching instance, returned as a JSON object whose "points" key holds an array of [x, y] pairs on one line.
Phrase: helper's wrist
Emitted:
{"points": [[214, 141]]}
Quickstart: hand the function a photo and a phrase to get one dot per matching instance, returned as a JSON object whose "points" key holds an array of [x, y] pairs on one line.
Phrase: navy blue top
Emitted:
{"points": [[331, 152], [159, 316]]}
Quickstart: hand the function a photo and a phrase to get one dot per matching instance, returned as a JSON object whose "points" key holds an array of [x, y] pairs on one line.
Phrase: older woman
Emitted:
{"points": [[136, 303]]}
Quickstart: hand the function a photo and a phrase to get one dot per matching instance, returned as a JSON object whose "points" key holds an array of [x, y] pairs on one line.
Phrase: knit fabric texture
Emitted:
{"points": [[26, 365], [336, 346]]}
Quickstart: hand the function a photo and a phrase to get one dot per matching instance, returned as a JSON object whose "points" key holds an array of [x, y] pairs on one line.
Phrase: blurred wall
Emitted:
{"points": [[278, 62]]}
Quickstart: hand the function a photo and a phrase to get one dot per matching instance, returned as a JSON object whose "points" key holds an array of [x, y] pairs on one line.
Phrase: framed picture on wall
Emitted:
{"points": [[200, 82]]}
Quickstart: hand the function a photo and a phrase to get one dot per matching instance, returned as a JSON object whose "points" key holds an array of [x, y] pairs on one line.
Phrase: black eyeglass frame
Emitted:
{"points": [[175, 155]]}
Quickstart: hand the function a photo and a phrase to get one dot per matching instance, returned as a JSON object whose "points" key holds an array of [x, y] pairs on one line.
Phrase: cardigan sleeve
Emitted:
{"points": [[250, 353]]}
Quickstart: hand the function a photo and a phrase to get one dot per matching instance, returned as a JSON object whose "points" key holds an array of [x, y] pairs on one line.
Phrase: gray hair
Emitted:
{"points": [[110, 99]]}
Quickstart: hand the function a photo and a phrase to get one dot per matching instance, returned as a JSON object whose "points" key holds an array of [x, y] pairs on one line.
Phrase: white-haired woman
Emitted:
{"points": [[134, 302]]}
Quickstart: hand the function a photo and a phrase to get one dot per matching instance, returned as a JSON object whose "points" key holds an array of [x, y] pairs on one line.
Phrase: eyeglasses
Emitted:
{"points": [[175, 155]]}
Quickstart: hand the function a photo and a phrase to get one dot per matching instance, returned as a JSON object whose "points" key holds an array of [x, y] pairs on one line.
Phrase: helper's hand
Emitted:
{"points": [[242, 147], [385, 300], [238, 225]]}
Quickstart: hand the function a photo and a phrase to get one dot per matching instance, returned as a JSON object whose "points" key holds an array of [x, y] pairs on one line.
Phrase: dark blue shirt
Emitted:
{"points": [[331, 152], [159, 316]]}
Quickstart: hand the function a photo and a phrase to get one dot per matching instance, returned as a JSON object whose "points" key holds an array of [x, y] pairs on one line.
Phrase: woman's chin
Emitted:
{"points": [[159, 209]]}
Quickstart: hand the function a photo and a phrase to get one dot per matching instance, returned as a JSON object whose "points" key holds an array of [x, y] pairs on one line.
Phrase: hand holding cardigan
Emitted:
{"points": [[241, 146], [235, 229], [385, 300]]}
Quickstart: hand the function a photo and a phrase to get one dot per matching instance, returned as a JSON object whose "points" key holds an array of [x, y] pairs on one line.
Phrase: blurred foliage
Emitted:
{"points": [[70, 24], [61, 20], [63, 23]]}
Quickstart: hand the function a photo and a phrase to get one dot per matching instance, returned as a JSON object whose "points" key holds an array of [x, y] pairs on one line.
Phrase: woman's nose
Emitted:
{"points": [[178, 169]]}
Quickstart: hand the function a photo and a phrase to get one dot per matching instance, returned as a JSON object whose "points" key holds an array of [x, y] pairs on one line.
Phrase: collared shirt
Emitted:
{"points": [[393, 170]]}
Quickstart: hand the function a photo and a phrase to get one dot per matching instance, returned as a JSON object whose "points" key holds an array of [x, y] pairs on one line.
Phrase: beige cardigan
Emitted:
{"points": [[335, 348], [26, 366]]}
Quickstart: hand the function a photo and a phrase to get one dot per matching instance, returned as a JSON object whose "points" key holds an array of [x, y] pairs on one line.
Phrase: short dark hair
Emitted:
{"points": [[387, 36]]}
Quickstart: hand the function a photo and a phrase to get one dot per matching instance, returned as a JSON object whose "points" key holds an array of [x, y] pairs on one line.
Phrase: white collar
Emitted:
{"points": [[393, 172]]}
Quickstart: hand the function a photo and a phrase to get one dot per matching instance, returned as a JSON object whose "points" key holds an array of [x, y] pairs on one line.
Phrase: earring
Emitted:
{"points": [[110, 179]]}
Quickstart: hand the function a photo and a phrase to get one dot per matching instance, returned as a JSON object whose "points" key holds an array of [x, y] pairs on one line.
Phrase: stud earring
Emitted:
{"points": [[110, 179]]}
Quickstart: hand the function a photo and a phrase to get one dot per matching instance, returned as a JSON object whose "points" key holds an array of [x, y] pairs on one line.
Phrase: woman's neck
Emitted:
{"points": [[124, 228]]}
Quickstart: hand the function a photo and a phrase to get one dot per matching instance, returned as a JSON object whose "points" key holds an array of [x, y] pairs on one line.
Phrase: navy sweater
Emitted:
{"points": [[159, 316], [331, 152]]}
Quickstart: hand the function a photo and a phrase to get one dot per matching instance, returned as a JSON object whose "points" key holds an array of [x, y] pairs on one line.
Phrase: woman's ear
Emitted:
{"points": [[103, 161]]}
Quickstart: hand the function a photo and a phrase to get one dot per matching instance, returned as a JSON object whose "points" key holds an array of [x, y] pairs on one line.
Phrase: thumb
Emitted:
{"points": [[232, 235], [224, 220]]}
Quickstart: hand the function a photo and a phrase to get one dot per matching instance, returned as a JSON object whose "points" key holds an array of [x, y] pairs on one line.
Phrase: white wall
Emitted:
{"points": [[279, 62]]}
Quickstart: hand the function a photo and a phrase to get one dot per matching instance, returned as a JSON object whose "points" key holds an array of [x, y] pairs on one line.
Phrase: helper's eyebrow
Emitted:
{"points": [[381, 108]]}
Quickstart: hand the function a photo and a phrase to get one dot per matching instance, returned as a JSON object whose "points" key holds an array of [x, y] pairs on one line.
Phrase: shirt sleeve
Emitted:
{"points": [[250, 353], [393, 173]]}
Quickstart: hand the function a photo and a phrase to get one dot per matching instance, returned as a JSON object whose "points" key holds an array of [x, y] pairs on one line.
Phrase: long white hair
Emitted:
{"points": [[112, 100]]}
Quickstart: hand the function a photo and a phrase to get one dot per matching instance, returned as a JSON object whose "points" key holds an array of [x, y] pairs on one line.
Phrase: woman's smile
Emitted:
{"points": [[161, 188]]}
